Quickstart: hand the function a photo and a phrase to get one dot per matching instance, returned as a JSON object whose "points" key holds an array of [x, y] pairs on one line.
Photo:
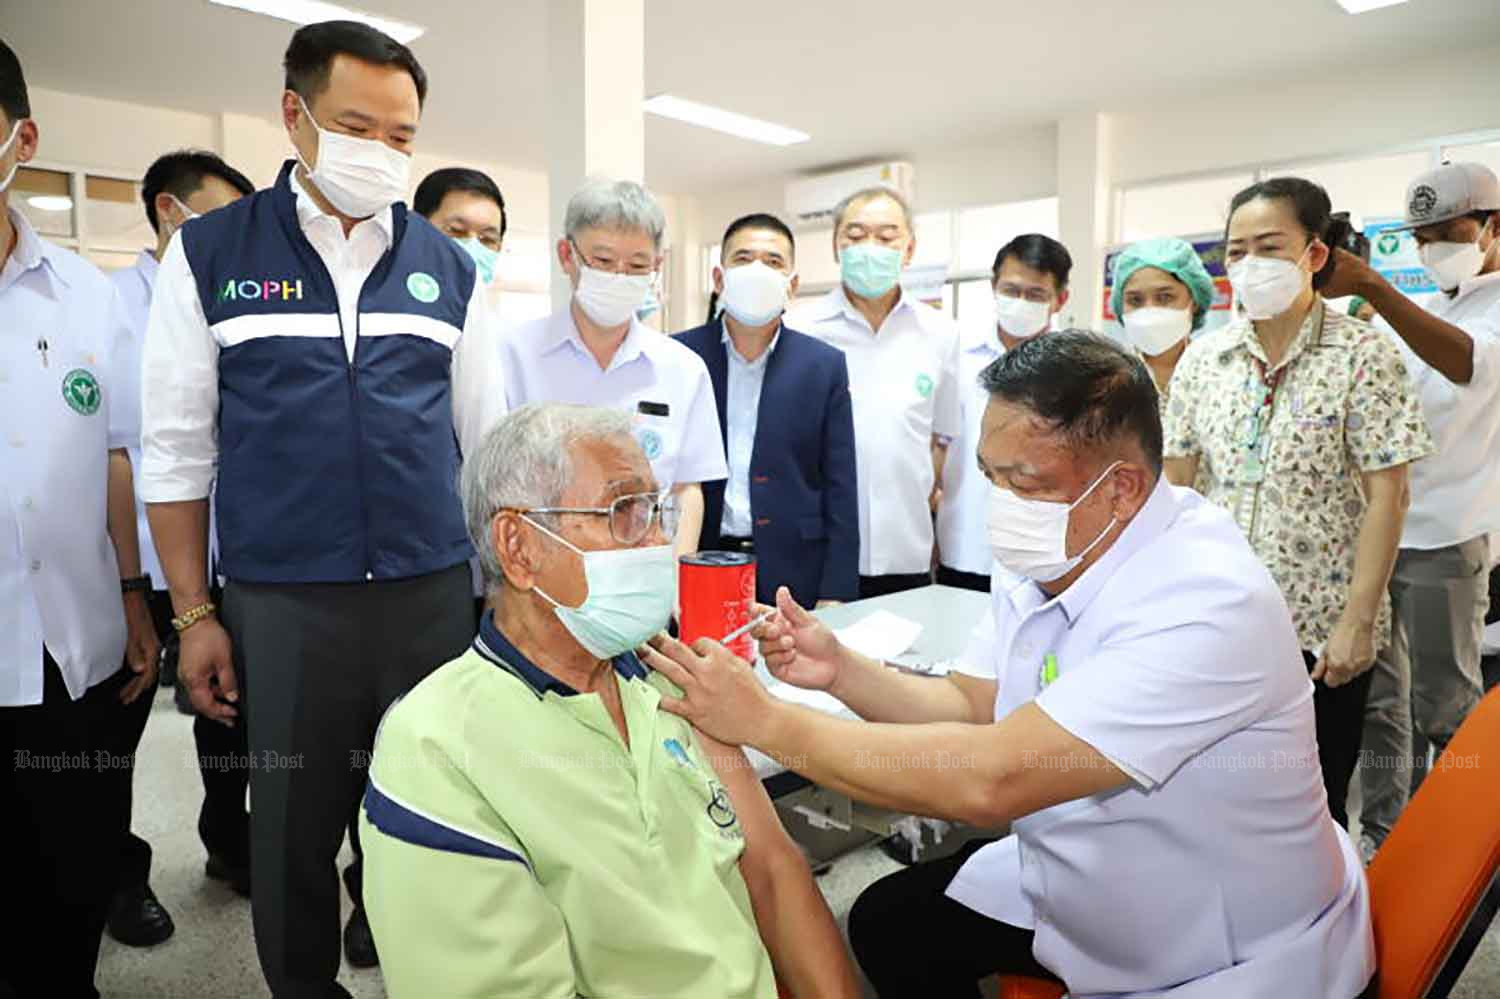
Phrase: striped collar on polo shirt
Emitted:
{"points": [[496, 648]]}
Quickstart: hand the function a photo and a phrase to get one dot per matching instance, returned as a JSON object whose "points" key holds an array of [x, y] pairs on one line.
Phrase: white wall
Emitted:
{"points": [[1347, 109]]}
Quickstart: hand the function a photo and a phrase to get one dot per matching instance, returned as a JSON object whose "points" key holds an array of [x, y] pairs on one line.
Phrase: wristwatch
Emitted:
{"points": [[136, 584]]}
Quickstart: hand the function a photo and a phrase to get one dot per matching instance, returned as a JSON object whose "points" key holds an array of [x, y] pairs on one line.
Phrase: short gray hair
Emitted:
{"points": [[526, 461], [870, 194], [618, 204]]}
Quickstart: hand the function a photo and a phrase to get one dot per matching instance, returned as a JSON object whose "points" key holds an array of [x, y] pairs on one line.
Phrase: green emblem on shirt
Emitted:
{"points": [[81, 391], [924, 385], [423, 286]]}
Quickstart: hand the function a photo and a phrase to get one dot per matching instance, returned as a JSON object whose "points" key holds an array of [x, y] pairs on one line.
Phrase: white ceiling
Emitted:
{"points": [[869, 79]]}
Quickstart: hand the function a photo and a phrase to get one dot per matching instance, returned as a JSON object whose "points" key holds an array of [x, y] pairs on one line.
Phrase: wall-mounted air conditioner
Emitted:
{"points": [[811, 199]]}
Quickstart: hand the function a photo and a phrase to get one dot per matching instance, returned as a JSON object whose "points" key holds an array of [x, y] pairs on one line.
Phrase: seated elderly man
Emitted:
{"points": [[534, 826]]}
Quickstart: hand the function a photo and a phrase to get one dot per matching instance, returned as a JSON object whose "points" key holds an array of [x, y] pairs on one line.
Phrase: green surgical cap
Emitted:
{"points": [[1175, 256]]}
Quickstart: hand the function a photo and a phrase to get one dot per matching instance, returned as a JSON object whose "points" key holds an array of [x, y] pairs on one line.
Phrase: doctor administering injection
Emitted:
{"points": [[1135, 705]]}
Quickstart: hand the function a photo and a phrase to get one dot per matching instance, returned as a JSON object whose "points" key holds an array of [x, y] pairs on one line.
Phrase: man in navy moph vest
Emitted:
{"points": [[785, 413], [319, 356]]}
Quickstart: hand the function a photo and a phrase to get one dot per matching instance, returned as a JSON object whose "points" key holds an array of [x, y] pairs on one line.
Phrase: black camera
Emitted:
{"points": [[1341, 235]]}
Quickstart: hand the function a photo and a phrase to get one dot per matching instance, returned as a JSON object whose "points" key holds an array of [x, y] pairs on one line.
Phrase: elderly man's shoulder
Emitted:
{"points": [[809, 346], [935, 322], [437, 711]]}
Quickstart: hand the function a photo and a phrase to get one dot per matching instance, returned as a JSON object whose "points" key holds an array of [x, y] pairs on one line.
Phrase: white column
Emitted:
{"points": [[595, 85], [1085, 193]]}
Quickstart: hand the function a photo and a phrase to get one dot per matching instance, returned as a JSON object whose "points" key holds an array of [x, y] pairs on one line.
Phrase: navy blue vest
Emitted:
{"points": [[331, 471]]}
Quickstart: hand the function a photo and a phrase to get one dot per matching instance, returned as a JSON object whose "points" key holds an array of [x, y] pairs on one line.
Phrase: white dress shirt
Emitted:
{"points": [[1219, 871], [181, 363], [546, 361], [1455, 493], [741, 416], [903, 384], [61, 413], [134, 285], [962, 542]]}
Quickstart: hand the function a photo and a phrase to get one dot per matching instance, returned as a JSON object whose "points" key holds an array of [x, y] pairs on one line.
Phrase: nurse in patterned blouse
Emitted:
{"points": [[1300, 421]]}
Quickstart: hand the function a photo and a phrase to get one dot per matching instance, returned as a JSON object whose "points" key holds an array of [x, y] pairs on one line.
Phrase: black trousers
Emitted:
{"points": [[60, 826], [896, 582], [319, 664], [914, 942], [120, 731], [1340, 714], [965, 580]]}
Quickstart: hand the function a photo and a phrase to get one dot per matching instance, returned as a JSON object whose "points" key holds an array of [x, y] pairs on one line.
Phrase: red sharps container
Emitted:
{"points": [[715, 590]]}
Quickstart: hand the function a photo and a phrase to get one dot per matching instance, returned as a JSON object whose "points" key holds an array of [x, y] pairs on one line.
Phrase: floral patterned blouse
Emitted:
{"points": [[1282, 448]]}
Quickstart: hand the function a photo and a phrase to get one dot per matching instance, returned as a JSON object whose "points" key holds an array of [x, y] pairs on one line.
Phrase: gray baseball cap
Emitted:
{"points": [[1450, 191]]}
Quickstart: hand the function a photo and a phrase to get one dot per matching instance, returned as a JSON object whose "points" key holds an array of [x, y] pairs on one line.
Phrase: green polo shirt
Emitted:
{"points": [[515, 847]]}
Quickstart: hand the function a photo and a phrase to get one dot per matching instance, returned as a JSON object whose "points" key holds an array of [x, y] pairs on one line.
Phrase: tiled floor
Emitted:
{"points": [[212, 955]]}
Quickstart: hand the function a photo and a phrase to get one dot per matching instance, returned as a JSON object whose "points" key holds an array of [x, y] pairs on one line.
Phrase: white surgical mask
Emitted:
{"points": [[754, 293], [1267, 286], [1451, 264], [1155, 330], [1030, 537], [359, 177], [607, 298], [1020, 318], [631, 595], [11, 174]]}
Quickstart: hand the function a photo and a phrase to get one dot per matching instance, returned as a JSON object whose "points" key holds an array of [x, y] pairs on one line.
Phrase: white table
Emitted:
{"points": [[947, 615]]}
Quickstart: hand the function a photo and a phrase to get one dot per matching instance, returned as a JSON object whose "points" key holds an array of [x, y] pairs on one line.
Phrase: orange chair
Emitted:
{"points": [[1017, 987], [1433, 884]]}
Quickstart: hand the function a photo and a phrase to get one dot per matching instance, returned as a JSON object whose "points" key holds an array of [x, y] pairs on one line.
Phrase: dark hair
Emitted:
{"points": [[14, 99], [440, 183], [759, 220], [1085, 385], [310, 55], [1310, 203], [180, 174], [1042, 253]]}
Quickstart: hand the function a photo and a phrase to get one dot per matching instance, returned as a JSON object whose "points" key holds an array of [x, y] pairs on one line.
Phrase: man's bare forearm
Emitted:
{"points": [[878, 693], [1436, 341], [120, 515], [180, 531], [690, 526]]}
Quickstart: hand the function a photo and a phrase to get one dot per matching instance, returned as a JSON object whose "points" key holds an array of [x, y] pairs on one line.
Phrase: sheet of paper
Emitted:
{"points": [[880, 634]]}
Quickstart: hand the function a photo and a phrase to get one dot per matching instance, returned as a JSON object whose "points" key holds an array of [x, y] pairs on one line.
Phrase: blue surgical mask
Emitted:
{"points": [[485, 258], [631, 595], [869, 269]]}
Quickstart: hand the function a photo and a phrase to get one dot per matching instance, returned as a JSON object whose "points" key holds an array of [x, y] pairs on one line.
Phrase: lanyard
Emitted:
{"points": [[1260, 420]]}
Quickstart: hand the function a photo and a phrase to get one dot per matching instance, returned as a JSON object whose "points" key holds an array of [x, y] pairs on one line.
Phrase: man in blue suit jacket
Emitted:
{"points": [[784, 410]]}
